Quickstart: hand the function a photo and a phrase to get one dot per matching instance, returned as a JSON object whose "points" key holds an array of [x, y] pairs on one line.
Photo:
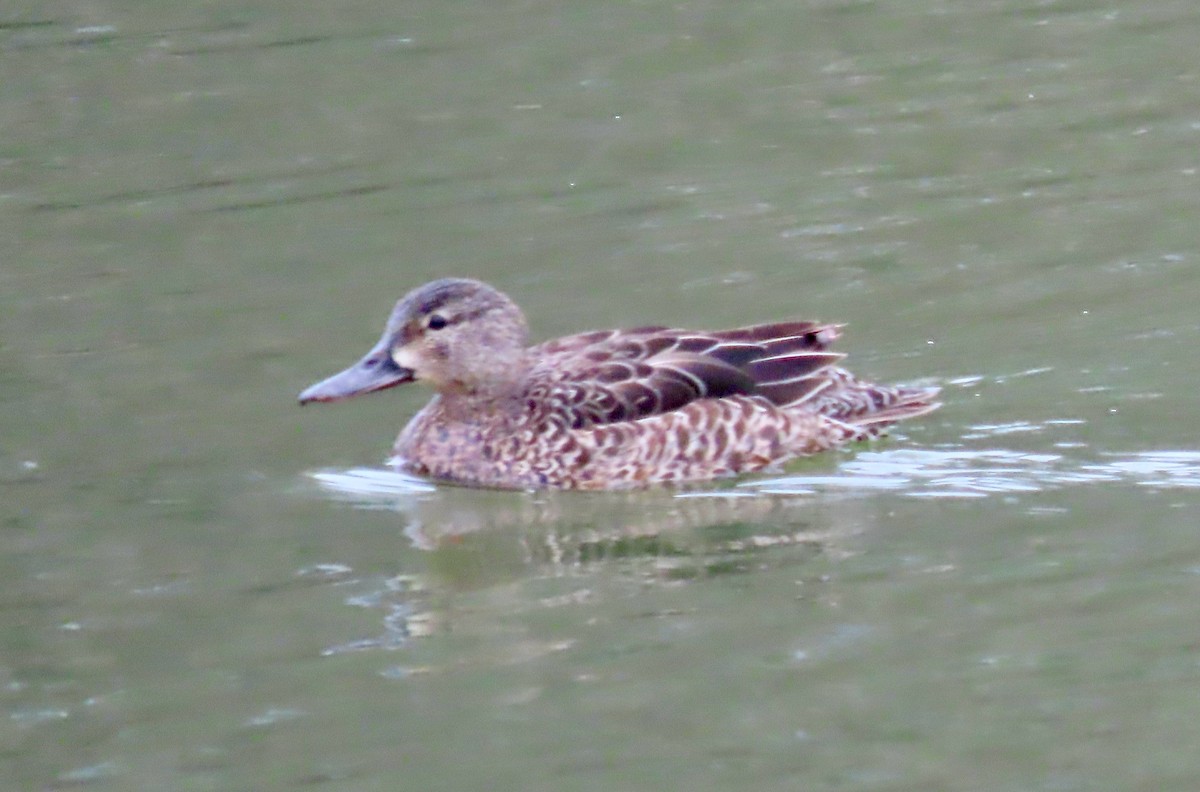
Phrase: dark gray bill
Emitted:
{"points": [[374, 372]]}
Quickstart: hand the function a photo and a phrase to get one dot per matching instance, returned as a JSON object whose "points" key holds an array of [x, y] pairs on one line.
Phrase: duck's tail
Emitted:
{"points": [[912, 403], [868, 406]]}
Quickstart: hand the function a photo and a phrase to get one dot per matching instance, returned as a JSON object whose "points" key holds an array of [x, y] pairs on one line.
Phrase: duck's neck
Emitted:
{"points": [[473, 406]]}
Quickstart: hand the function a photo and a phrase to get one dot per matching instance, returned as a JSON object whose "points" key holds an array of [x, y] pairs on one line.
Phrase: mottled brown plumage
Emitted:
{"points": [[612, 408]]}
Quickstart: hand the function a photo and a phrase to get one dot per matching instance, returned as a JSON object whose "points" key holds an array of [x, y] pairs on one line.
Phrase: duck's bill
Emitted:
{"points": [[373, 373]]}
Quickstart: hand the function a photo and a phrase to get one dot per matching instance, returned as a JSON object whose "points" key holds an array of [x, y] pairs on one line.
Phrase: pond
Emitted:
{"points": [[208, 207]]}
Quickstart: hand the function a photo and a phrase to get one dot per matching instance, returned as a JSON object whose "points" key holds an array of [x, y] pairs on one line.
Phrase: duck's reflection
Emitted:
{"points": [[508, 552], [549, 529]]}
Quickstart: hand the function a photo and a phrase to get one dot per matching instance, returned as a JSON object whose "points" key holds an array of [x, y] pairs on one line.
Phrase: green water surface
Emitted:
{"points": [[206, 207]]}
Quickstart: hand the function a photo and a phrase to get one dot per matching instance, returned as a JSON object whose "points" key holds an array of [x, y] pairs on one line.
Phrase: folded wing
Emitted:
{"points": [[610, 376]]}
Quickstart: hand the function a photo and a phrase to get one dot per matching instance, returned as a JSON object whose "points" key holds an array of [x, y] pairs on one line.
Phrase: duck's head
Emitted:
{"points": [[458, 335]]}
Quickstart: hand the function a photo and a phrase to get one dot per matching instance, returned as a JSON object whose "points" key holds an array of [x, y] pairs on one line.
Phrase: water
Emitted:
{"points": [[208, 207]]}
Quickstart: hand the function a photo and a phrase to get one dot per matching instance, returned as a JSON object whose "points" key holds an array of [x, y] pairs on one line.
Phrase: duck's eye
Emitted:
{"points": [[436, 322]]}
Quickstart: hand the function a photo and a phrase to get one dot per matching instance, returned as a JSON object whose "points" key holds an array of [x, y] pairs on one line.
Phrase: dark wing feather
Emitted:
{"points": [[608, 376]]}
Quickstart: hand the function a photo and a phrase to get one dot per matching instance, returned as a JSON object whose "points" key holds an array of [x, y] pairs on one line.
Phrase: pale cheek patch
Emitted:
{"points": [[405, 357]]}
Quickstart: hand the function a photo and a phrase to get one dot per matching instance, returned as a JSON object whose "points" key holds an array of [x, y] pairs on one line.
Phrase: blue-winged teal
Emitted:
{"points": [[612, 408]]}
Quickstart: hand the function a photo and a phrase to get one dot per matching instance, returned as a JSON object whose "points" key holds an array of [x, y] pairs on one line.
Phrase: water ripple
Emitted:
{"points": [[978, 473], [917, 473]]}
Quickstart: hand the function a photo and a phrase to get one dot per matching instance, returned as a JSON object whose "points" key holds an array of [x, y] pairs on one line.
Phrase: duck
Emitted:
{"points": [[610, 409]]}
